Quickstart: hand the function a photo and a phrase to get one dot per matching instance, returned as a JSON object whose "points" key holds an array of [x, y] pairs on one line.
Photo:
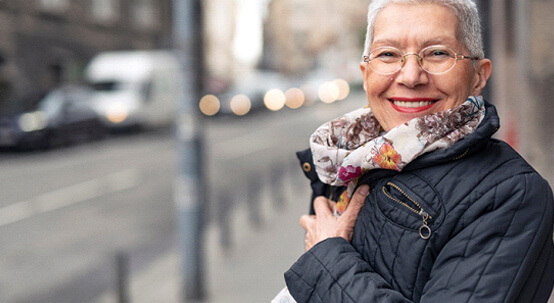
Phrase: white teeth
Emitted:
{"points": [[411, 104]]}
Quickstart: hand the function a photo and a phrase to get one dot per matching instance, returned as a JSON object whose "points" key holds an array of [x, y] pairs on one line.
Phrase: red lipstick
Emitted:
{"points": [[412, 109]]}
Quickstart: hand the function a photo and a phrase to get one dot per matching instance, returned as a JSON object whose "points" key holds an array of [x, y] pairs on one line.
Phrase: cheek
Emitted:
{"points": [[461, 84], [377, 85]]}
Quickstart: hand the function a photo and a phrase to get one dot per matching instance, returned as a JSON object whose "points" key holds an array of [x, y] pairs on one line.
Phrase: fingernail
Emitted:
{"points": [[364, 190]]}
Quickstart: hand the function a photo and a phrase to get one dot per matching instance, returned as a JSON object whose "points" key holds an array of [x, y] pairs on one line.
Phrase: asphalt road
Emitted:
{"points": [[66, 214]]}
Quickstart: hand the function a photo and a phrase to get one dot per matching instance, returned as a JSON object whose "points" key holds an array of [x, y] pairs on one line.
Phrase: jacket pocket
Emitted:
{"points": [[407, 209]]}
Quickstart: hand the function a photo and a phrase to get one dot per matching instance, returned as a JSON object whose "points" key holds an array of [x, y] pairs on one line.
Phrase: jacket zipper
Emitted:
{"points": [[424, 230]]}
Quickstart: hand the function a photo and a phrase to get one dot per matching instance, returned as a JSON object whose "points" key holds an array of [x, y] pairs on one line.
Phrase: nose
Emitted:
{"points": [[412, 74]]}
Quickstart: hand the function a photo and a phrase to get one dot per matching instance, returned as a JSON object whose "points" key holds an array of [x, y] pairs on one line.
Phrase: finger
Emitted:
{"points": [[357, 201], [321, 206], [307, 221], [307, 243], [331, 203]]}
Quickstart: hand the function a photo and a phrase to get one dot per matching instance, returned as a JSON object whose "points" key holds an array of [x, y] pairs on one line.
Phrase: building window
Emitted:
{"points": [[54, 5], [105, 11], [143, 13]]}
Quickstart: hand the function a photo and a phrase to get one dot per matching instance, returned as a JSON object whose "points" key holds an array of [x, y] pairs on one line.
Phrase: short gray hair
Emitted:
{"points": [[465, 10]]}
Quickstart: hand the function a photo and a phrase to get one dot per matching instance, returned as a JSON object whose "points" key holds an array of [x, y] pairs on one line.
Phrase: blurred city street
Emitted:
{"points": [[96, 99], [69, 214]]}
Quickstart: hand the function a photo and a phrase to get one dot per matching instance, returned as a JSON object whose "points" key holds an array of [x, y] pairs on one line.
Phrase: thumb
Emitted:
{"points": [[357, 200]]}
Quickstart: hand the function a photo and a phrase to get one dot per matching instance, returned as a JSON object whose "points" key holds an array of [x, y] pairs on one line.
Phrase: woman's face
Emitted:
{"points": [[411, 92]]}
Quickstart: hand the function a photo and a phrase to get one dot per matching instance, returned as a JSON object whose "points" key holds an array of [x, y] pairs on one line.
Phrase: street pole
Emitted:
{"points": [[190, 187]]}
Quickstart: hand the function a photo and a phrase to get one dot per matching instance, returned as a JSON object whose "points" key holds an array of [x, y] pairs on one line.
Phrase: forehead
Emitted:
{"points": [[406, 25]]}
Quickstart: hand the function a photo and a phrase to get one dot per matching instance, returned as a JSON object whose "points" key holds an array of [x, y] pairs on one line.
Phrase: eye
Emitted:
{"points": [[437, 53], [440, 53], [386, 55]]}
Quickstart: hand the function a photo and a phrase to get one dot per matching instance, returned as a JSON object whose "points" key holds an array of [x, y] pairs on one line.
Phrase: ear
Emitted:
{"points": [[363, 66], [482, 74]]}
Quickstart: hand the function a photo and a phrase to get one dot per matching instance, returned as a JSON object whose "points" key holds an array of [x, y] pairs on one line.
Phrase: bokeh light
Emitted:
{"points": [[209, 105], [117, 113], [344, 88], [240, 105], [29, 122], [328, 92], [294, 98], [274, 99]]}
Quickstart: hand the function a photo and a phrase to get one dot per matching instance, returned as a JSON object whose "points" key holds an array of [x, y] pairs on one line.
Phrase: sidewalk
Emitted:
{"points": [[250, 271]]}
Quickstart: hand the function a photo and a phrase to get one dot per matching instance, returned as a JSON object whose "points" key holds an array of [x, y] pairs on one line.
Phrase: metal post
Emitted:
{"points": [[122, 265], [190, 194]]}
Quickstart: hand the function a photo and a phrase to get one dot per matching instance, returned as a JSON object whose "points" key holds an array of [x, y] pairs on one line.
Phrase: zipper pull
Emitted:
{"points": [[424, 230]]}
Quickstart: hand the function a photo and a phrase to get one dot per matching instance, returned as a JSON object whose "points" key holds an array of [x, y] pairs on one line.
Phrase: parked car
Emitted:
{"points": [[61, 117], [135, 88]]}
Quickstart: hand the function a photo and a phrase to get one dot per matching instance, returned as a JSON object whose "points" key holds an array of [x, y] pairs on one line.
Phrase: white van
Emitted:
{"points": [[135, 88]]}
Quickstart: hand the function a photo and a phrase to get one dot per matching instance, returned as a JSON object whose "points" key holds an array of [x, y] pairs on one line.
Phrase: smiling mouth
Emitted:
{"points": [[412, 105]]}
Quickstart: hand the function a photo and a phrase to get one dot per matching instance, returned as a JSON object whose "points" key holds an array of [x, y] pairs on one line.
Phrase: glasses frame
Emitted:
{"points": [[366, 58]]}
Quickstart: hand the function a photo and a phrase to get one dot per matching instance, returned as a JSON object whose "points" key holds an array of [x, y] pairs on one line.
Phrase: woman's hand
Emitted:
{"points": [[325, 225]]}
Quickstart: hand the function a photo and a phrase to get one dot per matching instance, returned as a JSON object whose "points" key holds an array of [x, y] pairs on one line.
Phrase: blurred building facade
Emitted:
{"points": [[304, 35], [521, 46], [44, 43], [219, 31], [299, 36]]}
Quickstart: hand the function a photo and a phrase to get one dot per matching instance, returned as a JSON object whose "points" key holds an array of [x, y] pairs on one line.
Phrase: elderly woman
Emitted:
{"points": [[442, 212]]}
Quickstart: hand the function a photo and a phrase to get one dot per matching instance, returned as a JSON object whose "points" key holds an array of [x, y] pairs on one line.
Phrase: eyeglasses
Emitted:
{"points": [[435, 59]]}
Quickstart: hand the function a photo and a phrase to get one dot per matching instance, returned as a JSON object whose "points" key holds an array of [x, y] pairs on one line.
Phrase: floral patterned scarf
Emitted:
{"points": [[349, 146]]}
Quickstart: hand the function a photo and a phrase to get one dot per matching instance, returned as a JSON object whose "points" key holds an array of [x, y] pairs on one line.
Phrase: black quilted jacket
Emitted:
{"points": [[489, 235]]}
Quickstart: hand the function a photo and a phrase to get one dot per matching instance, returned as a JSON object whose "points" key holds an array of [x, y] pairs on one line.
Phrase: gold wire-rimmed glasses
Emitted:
{"points": [[434, 59]]}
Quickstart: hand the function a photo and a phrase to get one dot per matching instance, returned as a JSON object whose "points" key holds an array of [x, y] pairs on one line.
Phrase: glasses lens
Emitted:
{"points": [[385, 60], [437, 59]]}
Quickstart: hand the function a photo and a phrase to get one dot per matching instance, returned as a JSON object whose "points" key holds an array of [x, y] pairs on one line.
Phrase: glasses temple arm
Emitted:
{"points": [[462, 57]]}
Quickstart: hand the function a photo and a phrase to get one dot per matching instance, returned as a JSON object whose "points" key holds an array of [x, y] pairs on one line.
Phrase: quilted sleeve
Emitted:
{"points": [[332, 271], [503, 250]]}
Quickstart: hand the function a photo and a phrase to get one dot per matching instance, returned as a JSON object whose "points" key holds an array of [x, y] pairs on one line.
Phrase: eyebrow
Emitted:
{"points": [[432, 41]]}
